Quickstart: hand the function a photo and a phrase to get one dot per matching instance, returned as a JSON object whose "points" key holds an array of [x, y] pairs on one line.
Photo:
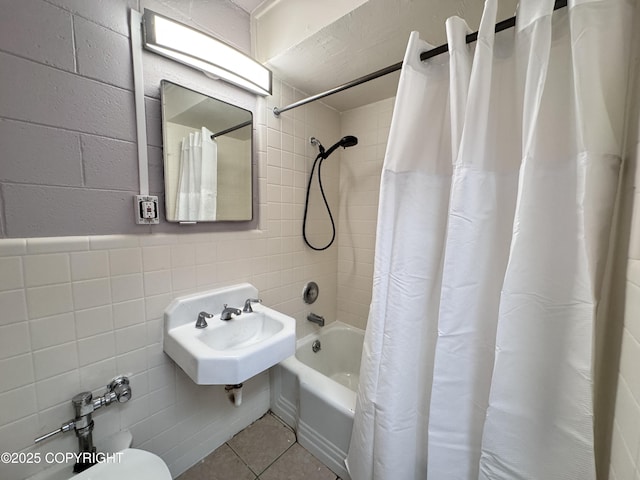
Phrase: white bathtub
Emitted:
{"points": [[314, 393]]}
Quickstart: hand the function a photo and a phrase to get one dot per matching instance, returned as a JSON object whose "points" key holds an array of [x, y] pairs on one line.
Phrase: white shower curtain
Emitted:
{"points": [[196, 198], [495, 207]]}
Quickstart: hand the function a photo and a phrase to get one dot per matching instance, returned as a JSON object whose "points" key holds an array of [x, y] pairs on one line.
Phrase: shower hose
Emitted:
{"points": [[318, 161]]}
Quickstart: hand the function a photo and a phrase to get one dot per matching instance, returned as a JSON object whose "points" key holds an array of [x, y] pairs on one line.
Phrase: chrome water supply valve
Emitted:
{"points": [[84, 405]]}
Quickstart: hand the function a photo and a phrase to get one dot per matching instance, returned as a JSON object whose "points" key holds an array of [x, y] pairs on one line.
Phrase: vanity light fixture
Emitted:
{"points": [[198, 50]]}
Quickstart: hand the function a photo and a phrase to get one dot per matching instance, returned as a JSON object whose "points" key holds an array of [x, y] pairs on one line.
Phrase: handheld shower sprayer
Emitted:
{"points": [[344, 142]]}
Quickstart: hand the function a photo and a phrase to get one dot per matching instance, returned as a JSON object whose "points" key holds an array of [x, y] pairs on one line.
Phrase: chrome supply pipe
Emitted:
{"points": [[84, 405]]}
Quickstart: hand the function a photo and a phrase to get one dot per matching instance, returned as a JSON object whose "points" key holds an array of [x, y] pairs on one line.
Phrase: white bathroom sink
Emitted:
{"points": [[250, 329], [226, 352]]}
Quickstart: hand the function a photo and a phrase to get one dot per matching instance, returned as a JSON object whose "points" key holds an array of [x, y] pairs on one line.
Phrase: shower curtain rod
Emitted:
{"points": [[231, 129], [472, 37]]}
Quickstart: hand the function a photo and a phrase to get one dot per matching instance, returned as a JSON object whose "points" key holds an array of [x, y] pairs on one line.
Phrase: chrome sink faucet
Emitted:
{"points": [[202, 322], [228, 312], [247, 304]]}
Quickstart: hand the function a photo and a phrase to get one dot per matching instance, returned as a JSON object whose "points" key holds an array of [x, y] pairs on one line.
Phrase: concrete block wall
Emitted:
{"points": [[67, 116], [82, 301]]}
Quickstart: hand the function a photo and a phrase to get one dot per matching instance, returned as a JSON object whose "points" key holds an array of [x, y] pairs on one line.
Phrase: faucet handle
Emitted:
{"points": [[70, 425], [247, 304], [119, 390], [202, 322]]}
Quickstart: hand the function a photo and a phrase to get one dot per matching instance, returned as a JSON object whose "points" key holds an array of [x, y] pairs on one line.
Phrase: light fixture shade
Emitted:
{"points": [[198, 50]]}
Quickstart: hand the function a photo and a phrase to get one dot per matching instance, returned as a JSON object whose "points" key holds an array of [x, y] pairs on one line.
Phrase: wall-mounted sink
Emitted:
{"points": [[226, 352], [250, 329]]}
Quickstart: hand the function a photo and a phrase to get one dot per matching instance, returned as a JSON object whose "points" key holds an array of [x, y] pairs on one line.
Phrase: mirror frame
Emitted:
{"points": [[252, 186]]}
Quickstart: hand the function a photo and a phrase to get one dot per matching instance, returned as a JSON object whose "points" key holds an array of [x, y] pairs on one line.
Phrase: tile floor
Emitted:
{"points": [[265, 450]]}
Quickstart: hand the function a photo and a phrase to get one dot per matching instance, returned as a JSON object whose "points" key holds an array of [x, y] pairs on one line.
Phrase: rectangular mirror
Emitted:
{"points": [[207, 145]]}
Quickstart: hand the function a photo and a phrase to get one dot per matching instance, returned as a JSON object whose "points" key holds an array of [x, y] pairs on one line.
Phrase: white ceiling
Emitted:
{"points": [[370, 37], [248, 5]]}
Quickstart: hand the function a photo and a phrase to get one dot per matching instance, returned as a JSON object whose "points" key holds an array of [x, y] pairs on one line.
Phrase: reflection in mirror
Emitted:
{"points": [[207, 157]]}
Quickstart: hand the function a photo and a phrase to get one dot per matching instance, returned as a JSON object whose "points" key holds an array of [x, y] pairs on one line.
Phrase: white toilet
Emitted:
{"points": [[130, 463]]}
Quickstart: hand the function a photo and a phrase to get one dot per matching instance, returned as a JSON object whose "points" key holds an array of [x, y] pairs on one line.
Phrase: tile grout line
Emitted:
{"points": [[277, 458], [257, 475], [268, 466], [240, 458]]}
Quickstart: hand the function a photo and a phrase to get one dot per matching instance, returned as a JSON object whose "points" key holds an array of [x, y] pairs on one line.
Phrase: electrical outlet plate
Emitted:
{"points": [[146, 209]]}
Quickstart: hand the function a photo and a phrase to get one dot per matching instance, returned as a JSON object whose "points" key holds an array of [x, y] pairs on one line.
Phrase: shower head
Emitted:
{"points": [[348, 141], [344, 142]]}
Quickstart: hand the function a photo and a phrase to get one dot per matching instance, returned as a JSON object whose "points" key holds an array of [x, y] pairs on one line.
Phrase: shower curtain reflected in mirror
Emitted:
{"points": [[496, 201], [196, 197]]}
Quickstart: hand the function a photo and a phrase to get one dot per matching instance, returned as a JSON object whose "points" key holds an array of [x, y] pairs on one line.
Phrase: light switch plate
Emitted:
{"points": [[146, 209]]}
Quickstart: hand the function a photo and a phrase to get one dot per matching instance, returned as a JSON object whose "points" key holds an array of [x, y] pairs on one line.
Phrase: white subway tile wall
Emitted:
{"points": [[76, 311], [360, 171]]}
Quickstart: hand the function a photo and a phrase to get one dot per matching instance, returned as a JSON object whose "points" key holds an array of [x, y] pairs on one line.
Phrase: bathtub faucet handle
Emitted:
{"points": [[247, 304]]}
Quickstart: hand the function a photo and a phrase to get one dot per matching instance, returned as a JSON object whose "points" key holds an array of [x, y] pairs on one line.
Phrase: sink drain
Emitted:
{"points": [[316, 346]]}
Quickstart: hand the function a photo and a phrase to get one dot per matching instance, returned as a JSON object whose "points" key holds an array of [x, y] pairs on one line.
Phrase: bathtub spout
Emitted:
{"points": [[312, 317]]}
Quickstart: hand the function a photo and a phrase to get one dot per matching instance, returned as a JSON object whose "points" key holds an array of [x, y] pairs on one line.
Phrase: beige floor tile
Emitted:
{"points": [[222, 464], [297, 464], [262, 442]]}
